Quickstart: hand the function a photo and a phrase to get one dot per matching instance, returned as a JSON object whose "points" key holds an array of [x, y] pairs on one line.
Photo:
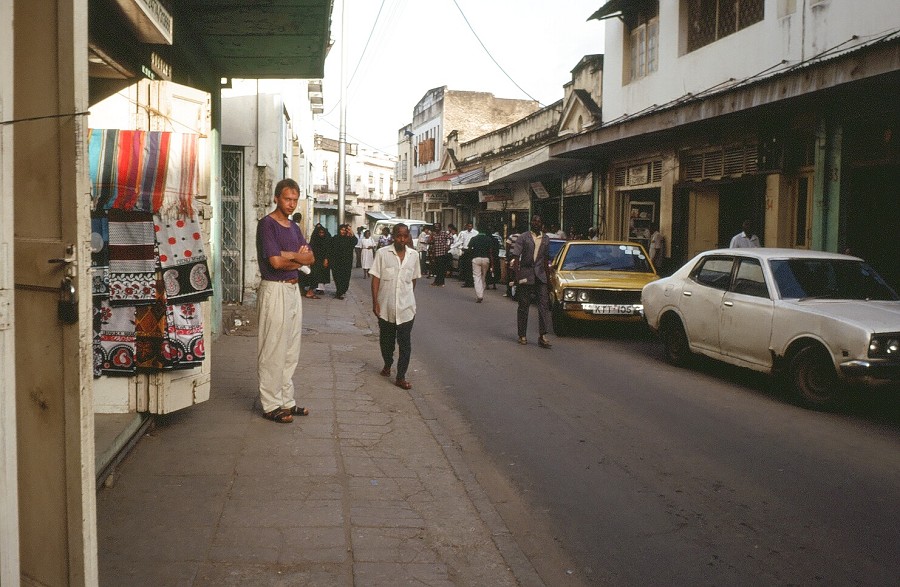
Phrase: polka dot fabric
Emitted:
{"points": [[182, 259]]}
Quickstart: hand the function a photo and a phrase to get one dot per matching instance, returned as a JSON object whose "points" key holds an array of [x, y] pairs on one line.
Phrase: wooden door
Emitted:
{"points": [[54, 412], [703, 221]]}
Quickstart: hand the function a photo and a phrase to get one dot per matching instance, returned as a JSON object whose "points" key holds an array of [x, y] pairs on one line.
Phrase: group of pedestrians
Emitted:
{"points": [[286, 259]]}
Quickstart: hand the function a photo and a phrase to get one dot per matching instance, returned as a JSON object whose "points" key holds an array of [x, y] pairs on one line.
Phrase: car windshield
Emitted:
{"points": [[605, 257], [836, 279], [554, 248]]}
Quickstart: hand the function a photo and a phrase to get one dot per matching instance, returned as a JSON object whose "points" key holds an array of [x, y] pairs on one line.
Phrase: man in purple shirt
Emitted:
{"points": [[281, 251]]}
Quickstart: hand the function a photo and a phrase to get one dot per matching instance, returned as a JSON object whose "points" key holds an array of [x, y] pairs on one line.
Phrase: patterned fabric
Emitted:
{"points": [[181, 177], [115, 353], [441, 244], [185, 335], [103, 162], [183, 262], [150, 327], [132, 258], [100, 256], [128, 168]]}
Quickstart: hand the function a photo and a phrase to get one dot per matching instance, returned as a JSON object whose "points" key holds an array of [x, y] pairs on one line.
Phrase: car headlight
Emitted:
{"points": [[885, 346], [582, 295], [569, 295]]}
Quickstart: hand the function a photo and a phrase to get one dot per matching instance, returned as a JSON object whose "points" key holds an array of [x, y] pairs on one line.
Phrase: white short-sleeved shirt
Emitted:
{"points": [[742, 241], [395, 292]]}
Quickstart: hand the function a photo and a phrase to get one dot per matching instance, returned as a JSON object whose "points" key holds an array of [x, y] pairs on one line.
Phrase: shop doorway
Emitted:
{"points": [[578, 214], [548, 210], [740, 201], [872, 218]]}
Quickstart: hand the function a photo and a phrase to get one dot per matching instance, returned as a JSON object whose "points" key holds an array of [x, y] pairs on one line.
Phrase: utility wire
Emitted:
{"points": [[362, 55], [358, 140], [491, 56]]}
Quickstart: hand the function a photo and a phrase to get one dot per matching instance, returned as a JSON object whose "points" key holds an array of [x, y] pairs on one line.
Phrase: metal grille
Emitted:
{"points": [[656, 171], [710, 20], [232, 225], [733, 160]]}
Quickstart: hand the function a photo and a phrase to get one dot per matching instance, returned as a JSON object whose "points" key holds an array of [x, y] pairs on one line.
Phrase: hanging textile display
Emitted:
{"points": [[103, 164], [183, 262], [150, 332], [132, 258], [181, 177], [100, 256], [148, 266], [117, 339], [185, 335]]}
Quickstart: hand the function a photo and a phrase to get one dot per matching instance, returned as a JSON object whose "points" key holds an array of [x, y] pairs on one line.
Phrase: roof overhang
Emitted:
{"points": [[201, 42], [538, 162], [876, 67]]}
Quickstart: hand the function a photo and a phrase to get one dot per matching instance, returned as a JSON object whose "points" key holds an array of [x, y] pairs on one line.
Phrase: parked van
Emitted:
{"points": [[415, 228]]}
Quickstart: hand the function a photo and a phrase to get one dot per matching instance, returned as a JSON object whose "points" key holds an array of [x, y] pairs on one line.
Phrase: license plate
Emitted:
{"points": [[615, 309]]}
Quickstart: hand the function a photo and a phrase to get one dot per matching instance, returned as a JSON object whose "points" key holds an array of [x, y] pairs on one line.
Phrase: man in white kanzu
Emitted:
{"points": [[394, 273]]}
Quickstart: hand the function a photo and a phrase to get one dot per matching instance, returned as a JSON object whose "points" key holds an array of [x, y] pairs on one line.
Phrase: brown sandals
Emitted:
{"points": [[280, 415], [298, 411]]}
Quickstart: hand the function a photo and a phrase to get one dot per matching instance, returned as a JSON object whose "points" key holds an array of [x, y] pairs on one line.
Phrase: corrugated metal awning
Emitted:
{"points": [[469, 177]]}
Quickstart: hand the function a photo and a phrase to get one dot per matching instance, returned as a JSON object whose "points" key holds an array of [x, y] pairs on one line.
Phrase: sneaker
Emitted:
{"points": [[523, 340]]}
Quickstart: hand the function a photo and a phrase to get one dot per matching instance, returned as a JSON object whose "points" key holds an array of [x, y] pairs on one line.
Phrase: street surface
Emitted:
{"points": [[646, 474]]}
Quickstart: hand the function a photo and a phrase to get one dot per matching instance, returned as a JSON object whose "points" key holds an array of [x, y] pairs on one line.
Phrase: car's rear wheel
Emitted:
{"points": [[815, 379], [561, 323], [675, 342]]}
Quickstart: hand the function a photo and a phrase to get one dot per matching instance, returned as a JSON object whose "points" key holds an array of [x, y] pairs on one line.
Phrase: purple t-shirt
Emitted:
{"points": [[271, 239]]}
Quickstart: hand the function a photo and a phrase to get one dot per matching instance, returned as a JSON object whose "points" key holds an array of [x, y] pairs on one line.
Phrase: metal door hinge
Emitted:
{"points": [[5, 305]]}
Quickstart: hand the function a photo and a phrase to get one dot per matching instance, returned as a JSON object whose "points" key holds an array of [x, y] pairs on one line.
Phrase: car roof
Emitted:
{"points": [[403, 220], [767, 253]]}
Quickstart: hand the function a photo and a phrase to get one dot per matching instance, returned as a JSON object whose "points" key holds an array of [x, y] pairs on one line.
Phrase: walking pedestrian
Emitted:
{"points": [[357, 251], [440, 254], [367, 252], [483, 248], [320, 243], [342, 247], [281, 250], [465, 254], [394, 275], [531, 266]]}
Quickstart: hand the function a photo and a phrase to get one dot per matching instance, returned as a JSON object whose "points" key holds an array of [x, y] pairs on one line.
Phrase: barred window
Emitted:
{"points": [[710, 20]]}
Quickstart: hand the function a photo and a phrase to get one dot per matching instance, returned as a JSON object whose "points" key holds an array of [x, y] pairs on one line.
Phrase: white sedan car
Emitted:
{"points": [[821, 319]]}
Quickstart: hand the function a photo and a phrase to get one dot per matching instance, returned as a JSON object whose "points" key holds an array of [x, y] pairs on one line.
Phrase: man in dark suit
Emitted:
{"points": [[530, 266]]}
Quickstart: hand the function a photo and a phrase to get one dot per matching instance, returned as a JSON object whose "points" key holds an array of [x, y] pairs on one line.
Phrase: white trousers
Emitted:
{"points": [[480, 266], [280, 319]]}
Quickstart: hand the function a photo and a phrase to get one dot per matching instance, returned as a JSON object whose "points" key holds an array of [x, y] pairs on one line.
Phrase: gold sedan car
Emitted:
{"points": [[600, 281]]}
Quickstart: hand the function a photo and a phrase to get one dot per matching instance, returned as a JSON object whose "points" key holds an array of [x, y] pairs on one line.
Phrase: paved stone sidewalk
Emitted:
{"points": [[367, 490]]}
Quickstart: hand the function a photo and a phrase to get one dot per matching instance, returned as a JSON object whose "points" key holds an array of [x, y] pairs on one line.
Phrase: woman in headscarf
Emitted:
{"points": [[342, 246], [320, 243]]}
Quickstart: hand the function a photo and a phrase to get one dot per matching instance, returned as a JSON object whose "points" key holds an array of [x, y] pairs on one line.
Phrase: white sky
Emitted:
{"points": [[418, 45]]}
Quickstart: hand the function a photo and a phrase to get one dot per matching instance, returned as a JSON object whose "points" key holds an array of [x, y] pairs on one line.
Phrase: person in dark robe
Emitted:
{"points": [[320, 243], [342, 247]]}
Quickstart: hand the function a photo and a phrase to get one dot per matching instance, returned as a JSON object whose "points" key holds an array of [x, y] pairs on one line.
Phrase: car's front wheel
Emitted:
{"points": [[561, 323], [815, 379], [675, 342]]}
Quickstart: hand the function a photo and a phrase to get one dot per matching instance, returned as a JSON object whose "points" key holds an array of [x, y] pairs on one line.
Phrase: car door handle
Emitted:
{"points": [[686, 293], [729, 304]]}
